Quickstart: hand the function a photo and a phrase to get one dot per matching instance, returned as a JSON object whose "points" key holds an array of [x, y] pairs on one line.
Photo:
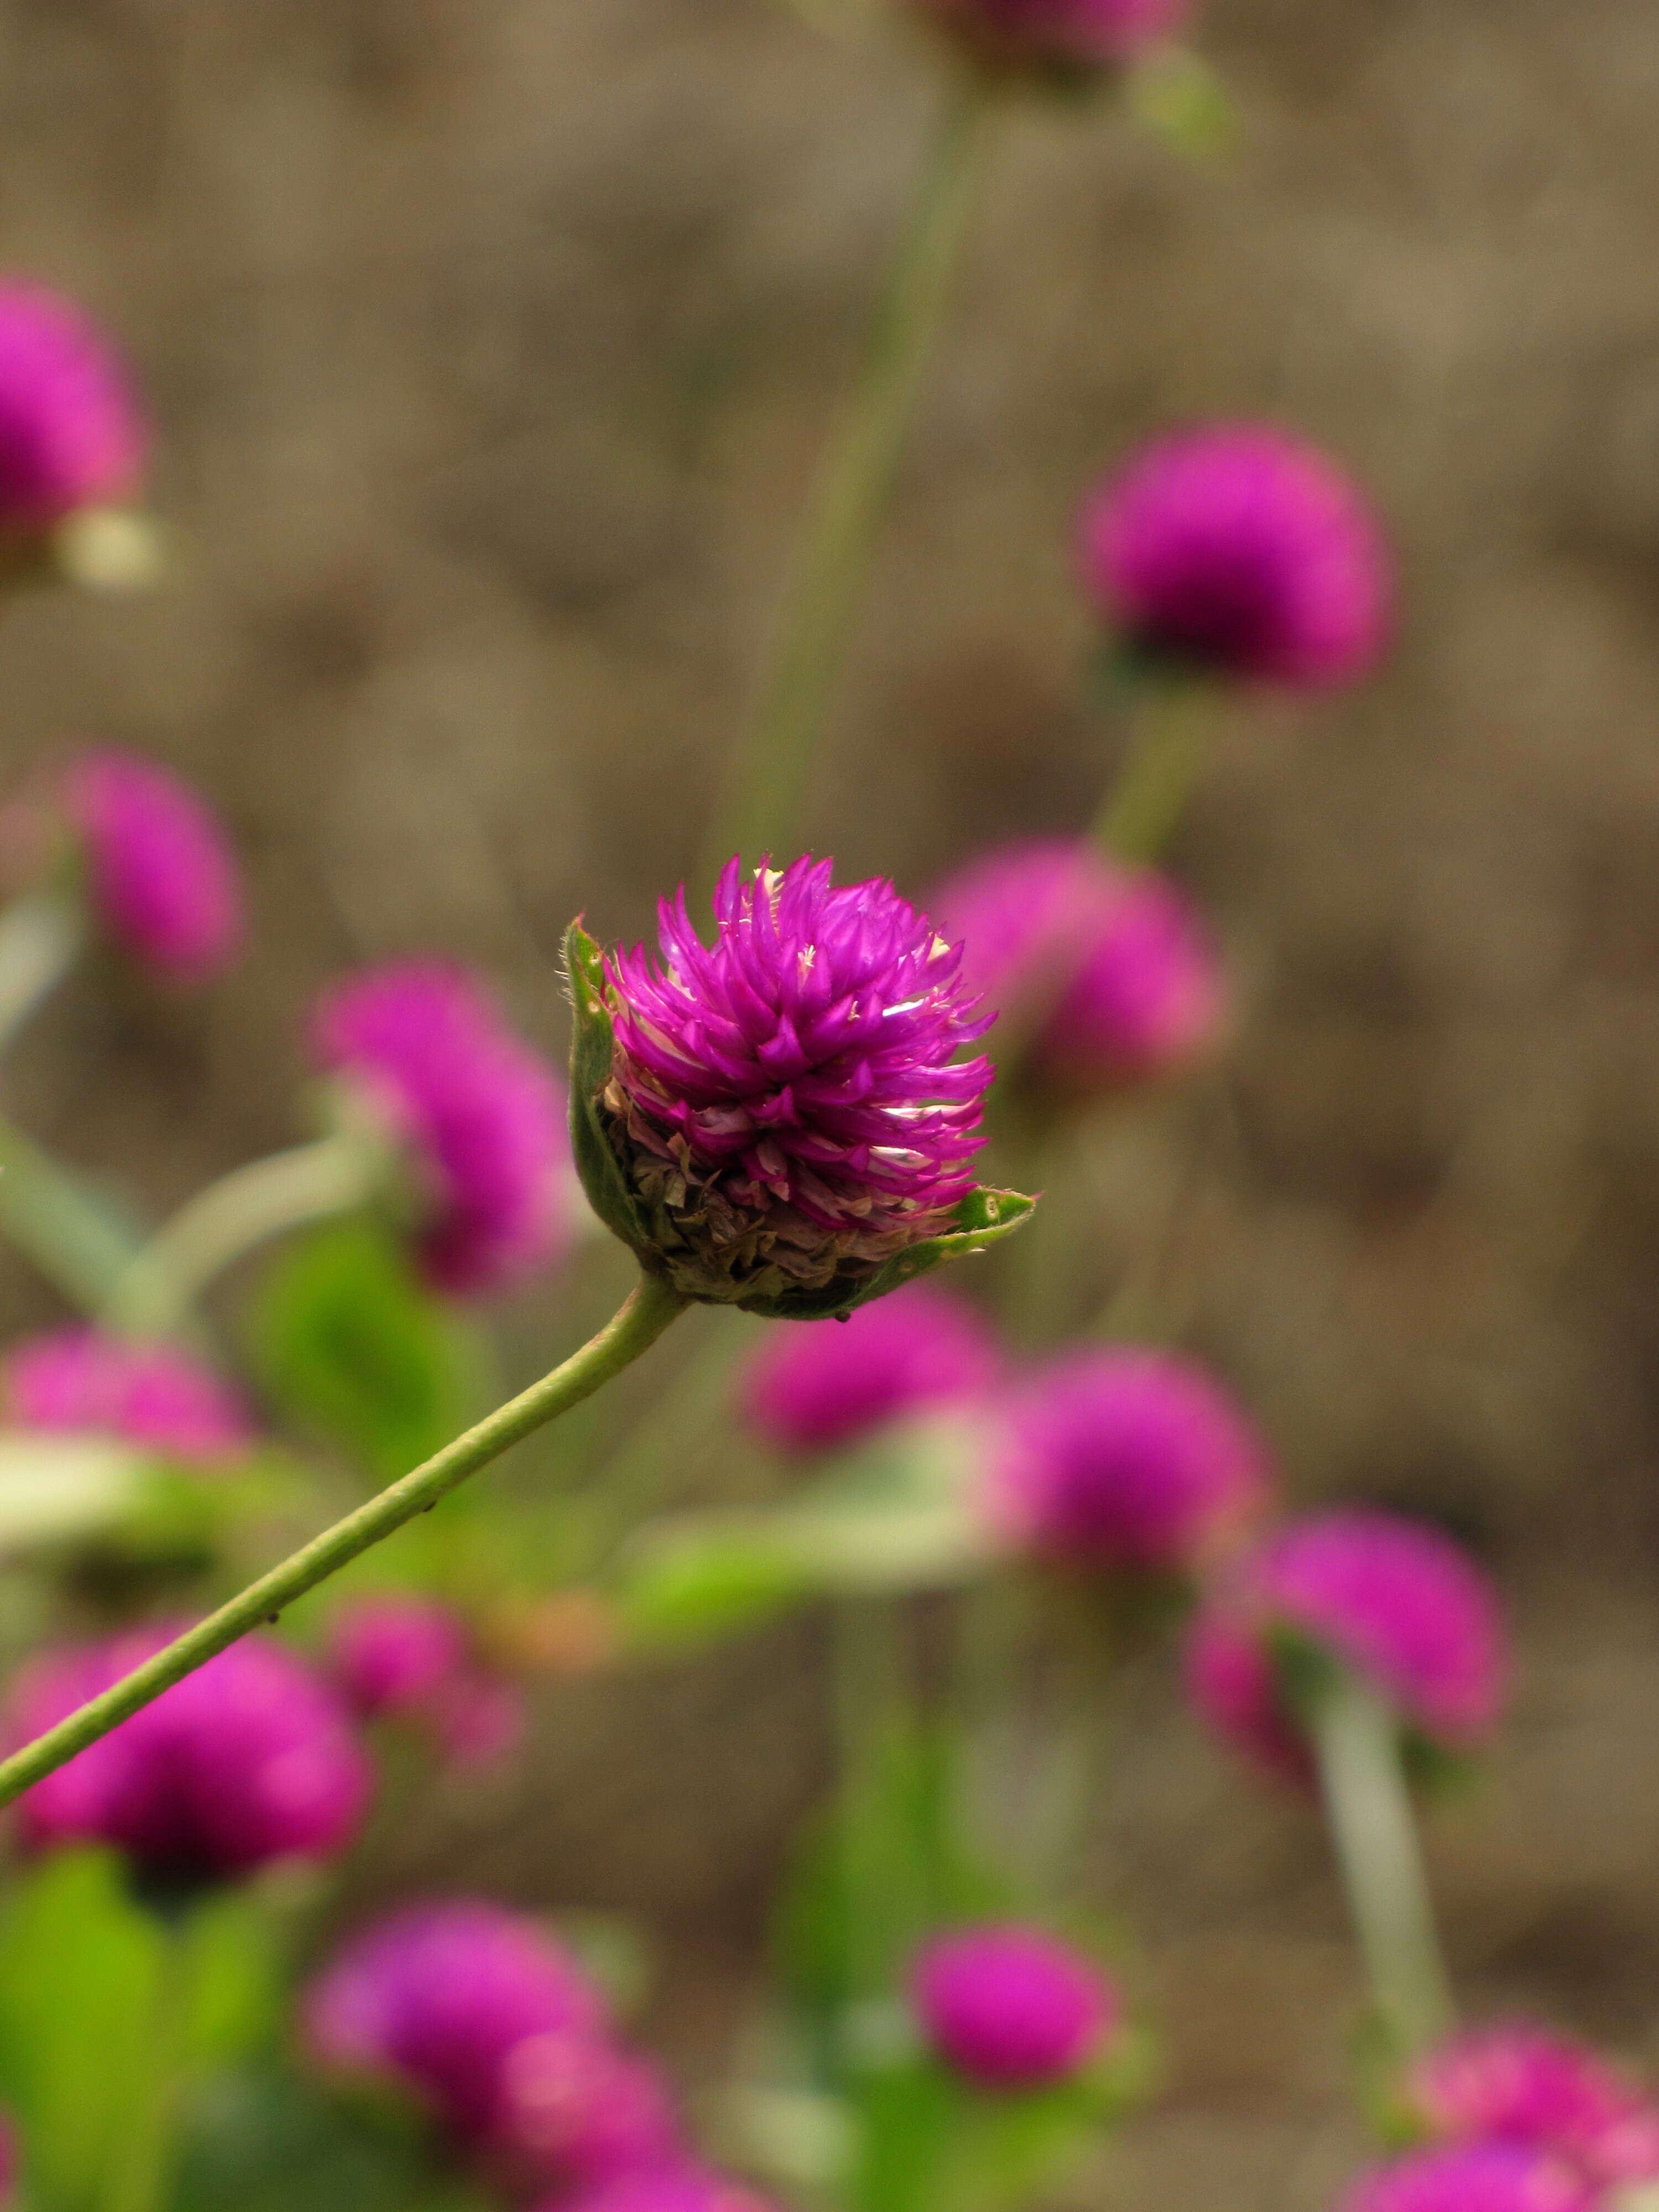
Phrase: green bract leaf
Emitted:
{"points": [[352, 1346], [592, 1043], [977, 1221]]}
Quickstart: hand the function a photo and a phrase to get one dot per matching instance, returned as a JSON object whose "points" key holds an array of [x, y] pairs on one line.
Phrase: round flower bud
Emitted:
{"points": [[1484, 2177], [75, 1381], [786, 1106], [481, 1115], [1054, 38], [1516, 2084], [1104, 976], [402, 1655], [1398, 1602], [1010, 2007], [828, 1382], [1123, 1458], [1237, 551], [70, 433], [159, 869], [435, 1997], [679, 2187], [577, 2112], [249, 1759]]}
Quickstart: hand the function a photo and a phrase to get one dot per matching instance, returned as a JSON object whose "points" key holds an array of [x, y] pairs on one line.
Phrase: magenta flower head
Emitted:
{"points": [[399, 1655], [1399, 1603], [577, 2111], [1516, 2084], [1104, 975], [160, 874], [1010, 2007], [70, 433], [1059, 38], [814, 1388], [1238, 552], [677, 2187], [75, 1381], [780, 1121], [480, 1115], [1483, 2178], [1120, 1458], [250, 1759], [436, 1997]]}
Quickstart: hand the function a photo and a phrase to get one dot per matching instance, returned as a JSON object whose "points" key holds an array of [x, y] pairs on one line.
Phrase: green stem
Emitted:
{"points": [[40, 939], [767, 779], [140, 2171], [1358, 1741], [79, 1245], [1166, 750], [641, 1320], [244, 1208]]}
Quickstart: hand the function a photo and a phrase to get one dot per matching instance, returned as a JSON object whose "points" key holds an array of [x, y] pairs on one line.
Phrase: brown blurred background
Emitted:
{"points": [[490, 343]]}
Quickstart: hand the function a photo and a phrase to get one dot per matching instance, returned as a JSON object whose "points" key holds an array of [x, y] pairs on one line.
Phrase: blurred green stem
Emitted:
{"points": [[767, 783], [78, 1245], [1369, 1806], [41, 939], [140, 2173], [246, 1208], [640, 1321], [1168, 743]]}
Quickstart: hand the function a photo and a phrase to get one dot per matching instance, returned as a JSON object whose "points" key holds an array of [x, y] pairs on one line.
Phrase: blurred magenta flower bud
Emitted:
{"points": [[1397, 1601], [400, 1656], [436, 1997], [1518, 2083], [811, 1388], [1234, 550], [1124, 1458], [680, 2187], [1011, 2007], [780, 1121], [76, 1382], [70, 432], [160, 873], [1104, 974], [482, 1116], [1066, 38], [250, 1759], [578, 2110], [1484, 2177]]}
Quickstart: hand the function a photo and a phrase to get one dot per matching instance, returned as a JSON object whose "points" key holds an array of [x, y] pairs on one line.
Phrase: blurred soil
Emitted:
{"points": [[490, 343]]}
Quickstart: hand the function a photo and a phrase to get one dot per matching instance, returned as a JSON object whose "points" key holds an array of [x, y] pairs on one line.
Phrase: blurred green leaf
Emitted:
{"points": [[1180, 97], [353, 1348], [54, 1488]]}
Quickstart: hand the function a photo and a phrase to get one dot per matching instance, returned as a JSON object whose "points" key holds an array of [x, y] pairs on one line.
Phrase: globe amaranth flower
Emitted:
{"points": [[70, 432], [251, 1758], [1518, 2083], [1237, 551], [1104, 975], [159, 870], [1398, 1602], [400, 1656], [682, 2186], [437, 1997], [481, 1115], [1009, 2006], [1126, 1458], [828, 1382], [578, 2110], [1062, 37], [786, 1104], [76, 1382], [1481, 2178]]}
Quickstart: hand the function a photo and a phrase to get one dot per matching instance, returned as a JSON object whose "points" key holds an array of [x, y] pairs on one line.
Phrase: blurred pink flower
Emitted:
{"points": [[76, 1382], [578, 2110], [814, 1385], [250, 1759], [70, 432], [1122, 1457], [1102, 974], [484, 1116], [1238, 550], [1485, 2178], [677, 2187], [1394, 1599], [1518, 2083], [160, 870], [400, 1654], [1011, 2007]]}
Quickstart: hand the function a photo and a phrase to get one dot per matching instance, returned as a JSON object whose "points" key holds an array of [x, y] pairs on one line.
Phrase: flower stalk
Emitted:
{"points": [[767, 785], [1169, 741], [632, 1330], [40, 939]]}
